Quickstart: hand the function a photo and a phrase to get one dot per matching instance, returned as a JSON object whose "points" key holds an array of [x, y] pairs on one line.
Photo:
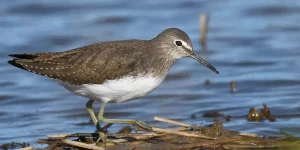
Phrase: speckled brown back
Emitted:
{"points": [[93, 64], [90, 64]]}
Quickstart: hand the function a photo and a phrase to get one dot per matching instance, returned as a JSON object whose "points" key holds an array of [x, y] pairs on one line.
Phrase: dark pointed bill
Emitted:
{"points": [[202, 61]]}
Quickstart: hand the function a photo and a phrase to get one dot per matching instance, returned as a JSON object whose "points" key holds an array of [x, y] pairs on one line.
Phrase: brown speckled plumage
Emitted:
{"points": [[113, 72], [93, 64]]}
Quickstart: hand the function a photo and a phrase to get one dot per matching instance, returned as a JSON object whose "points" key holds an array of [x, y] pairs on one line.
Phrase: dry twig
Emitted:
{"points": [[182, 133], [82, 145], [210, 137], [27, 148], [176, 123]]}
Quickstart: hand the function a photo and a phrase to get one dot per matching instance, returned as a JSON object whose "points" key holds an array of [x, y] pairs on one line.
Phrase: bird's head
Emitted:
{"points": [[178, 44]]}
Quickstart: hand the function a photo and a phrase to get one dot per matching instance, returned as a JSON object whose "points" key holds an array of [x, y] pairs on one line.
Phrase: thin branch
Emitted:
{"points": [[27, 148], [134, 135], [249, 134], [62, 136], [176, 123], [57, 136], [183, 133], [82, 145], [120, 140]]}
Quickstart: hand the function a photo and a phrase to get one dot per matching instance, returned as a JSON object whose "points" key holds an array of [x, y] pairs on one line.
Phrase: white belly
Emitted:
{"points": [[115, 91]]}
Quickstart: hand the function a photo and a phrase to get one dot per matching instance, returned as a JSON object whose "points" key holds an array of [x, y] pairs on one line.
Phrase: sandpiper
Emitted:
{"points": [[113, 72]]}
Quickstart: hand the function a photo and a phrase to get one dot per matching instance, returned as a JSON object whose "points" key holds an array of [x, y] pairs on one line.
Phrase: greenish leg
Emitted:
{"points": [[89, 107], [140, 124]]}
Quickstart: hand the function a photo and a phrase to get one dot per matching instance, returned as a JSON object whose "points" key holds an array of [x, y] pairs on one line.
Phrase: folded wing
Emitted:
{"points": [[91, 64]]}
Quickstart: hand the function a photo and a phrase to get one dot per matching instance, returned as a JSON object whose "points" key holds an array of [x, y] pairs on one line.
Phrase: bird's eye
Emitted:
{"points": [[178, 43]]}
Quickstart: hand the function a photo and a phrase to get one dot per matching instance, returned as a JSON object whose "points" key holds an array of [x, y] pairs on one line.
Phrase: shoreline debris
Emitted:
{"points": [[186, 136], [233, 87], [204, 20], [266, 112], [254, 115]]}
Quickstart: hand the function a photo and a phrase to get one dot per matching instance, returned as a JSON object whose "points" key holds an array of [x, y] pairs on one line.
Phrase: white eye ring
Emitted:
{"points": [[178, 43]]}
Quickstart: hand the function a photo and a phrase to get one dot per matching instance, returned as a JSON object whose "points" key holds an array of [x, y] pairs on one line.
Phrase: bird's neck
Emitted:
{"points": [[161, 59], [163, 65]]}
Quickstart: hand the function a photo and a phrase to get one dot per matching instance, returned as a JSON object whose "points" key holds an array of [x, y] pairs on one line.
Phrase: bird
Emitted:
{"points": [[113, 71]]}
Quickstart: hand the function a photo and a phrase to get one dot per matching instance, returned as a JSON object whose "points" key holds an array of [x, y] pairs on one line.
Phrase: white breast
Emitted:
{"points": [[120, 90]]}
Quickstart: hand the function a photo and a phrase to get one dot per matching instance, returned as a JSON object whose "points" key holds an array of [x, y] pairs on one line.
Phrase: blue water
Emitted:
{"points": [[254, 43]]}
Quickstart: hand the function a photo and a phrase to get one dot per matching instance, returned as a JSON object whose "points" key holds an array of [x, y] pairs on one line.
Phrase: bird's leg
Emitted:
{"points": [[89, 107], [138, 123]]}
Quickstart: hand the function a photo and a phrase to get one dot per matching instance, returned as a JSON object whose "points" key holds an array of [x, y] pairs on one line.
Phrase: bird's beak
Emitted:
{"points": [[202, 61]]}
